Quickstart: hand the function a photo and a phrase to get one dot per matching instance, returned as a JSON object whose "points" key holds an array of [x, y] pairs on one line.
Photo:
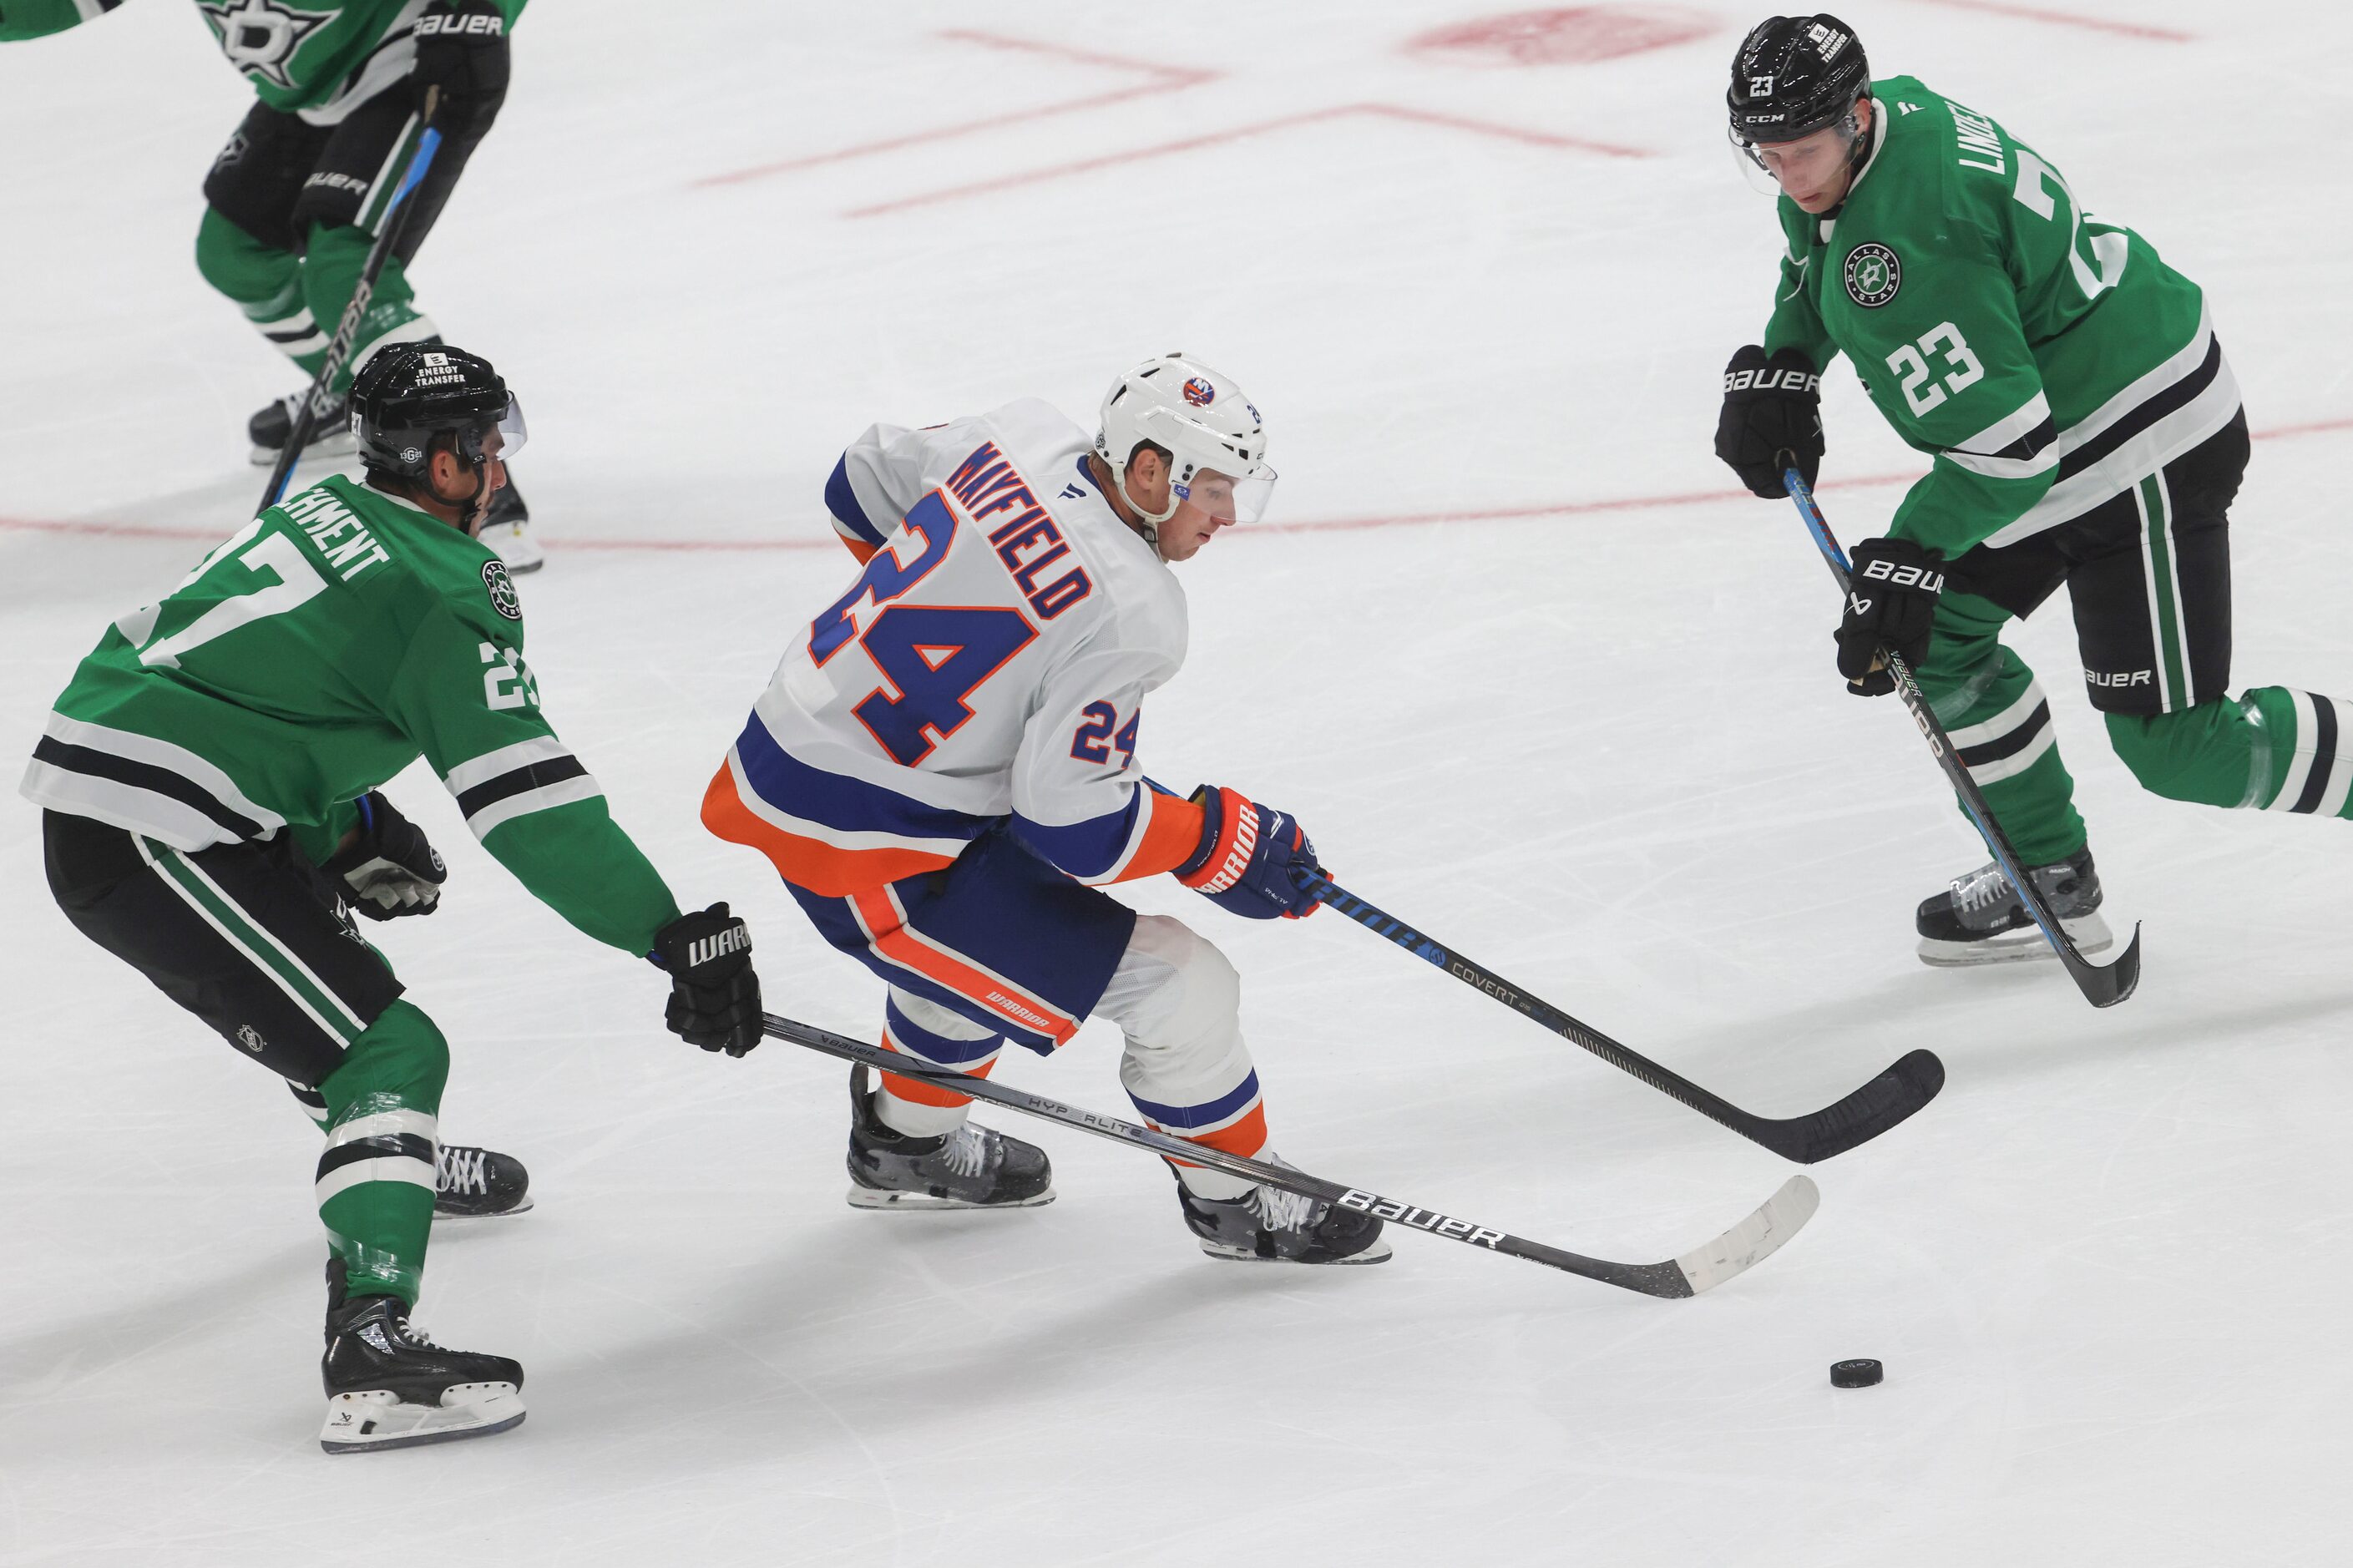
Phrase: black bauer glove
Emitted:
{"points": [[1770, 406], [1891, 603], [461, 48], [390, 869], [714, 997]]}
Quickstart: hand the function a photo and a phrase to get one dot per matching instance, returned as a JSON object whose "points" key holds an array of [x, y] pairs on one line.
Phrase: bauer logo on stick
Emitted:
{"points": [[1873, 275], [503, 591], [1199, 393]]}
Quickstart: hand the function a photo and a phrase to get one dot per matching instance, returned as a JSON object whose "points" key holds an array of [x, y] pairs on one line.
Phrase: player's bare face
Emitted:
{"points": [[1208, 507], [1815, 171]]}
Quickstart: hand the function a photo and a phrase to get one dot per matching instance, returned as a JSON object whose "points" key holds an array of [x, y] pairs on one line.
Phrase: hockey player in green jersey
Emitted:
{"points": [[210, 779], [2082, 428], [294, 199]]}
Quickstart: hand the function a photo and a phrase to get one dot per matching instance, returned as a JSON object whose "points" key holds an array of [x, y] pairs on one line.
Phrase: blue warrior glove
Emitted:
{"points": [[1244, 860]]}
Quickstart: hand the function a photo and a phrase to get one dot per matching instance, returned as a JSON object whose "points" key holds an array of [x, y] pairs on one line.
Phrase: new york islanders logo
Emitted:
{"points": [[1199, 393], [1873, 275]]}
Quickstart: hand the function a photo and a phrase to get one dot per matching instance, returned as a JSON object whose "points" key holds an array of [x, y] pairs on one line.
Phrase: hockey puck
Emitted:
{"points": [[1855, 1374]]}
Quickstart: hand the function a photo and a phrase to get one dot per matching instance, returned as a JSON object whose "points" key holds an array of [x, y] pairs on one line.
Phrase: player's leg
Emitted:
{"points": [[2154, 614], [1999, 719], [236, 935], [1178, 1001], [910, 1143]]}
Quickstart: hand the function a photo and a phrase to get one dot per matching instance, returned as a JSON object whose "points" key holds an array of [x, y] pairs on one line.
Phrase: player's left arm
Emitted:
{"points": [[21, 19]]}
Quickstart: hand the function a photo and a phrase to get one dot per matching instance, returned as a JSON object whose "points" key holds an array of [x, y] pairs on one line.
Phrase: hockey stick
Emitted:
{"points": [[315, 403], [1701, 1268], [2103, 985], [1859, 1117]]}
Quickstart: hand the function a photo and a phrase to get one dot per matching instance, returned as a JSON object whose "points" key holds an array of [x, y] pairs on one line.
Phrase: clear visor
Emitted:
{"points": [[1226, 499], [504, 441], [1806, 164]]}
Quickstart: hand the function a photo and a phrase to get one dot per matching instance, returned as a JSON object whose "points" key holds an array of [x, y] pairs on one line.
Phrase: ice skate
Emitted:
{"points": [[970, 1168], [1980, 919], [507, 530], [1267, 1225], [388, 1387], [330, 437], [478, 1184]]}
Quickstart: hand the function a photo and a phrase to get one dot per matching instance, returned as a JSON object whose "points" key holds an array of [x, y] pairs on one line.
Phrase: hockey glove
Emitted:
{"points": [[1243, 861], [1770, 406], [1891, 603], [461, 48], [390, 869], [714, 997]]}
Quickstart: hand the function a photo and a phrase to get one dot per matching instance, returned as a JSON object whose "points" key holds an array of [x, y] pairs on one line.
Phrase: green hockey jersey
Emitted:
{"points": [[314, 654], [2045, 360], [320, 59]]}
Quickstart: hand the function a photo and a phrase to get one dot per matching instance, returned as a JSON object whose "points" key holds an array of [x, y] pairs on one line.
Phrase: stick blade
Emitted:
{"points": [[2105, 985], [1891, 1098], [1754, 1239]]}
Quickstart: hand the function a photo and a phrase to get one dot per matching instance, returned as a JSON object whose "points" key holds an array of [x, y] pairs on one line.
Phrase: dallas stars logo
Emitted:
{"points": [[259, 37], [1873, 275]]}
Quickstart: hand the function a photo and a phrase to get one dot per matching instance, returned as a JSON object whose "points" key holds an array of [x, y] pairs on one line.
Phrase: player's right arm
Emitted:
{"points": [[465, 696], [879, 477], [38, 19]]}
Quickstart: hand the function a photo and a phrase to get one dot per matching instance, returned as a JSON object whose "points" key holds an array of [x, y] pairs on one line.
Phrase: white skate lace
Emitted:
{"points": [[460, 1169], [1981, 888], [967, 1151], [1280, 1210]]}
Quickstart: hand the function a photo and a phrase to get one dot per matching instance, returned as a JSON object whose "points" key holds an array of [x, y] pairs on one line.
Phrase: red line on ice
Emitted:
{"points": [[2067, 19], [1167, 79], [827, 541]]}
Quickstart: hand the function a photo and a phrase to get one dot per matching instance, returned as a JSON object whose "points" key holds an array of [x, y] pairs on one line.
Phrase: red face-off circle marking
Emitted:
{"points": [[1569, 35]]}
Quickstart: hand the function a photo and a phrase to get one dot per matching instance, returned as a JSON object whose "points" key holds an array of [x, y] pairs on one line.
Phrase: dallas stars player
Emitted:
{"points": [[2085, 429], [295, 197], [210, 778]]}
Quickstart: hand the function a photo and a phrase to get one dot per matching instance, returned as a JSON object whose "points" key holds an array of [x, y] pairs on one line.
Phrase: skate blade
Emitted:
{"points": [[878, 1198], [341, 445], [2090, 934], [1380, 1252], [443, 1216], [360, 1422]]}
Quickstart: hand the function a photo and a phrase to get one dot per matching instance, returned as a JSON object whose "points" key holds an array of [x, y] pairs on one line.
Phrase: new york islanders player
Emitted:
{"points": [[2084, 428], [294, 200], [944, 772], [210, 779]]}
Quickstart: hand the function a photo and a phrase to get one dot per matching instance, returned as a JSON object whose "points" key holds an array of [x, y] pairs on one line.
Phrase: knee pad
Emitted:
{"points": [[1173, 990], [401, 1062], [238, 265], [2199, 754]]}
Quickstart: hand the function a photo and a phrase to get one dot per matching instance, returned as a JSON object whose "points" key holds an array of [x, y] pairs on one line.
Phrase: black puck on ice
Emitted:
{"points": [[1855, 1374]]}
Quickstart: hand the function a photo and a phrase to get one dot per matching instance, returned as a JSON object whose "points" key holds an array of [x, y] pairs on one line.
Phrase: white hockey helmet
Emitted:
{"points": [[1201, 420]]}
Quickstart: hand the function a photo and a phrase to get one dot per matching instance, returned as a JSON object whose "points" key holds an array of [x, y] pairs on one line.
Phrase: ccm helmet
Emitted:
{"points": [[408, 394], [1200, 419], [1795, 75]]}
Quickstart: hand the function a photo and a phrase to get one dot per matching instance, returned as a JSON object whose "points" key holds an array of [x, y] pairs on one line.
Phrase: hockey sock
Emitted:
{"points": [[263, 281], [2275, 747], [1178, 1001], [2000, 723], [331, 271], [375, 1180], [918, 1028], [315, 1106]]}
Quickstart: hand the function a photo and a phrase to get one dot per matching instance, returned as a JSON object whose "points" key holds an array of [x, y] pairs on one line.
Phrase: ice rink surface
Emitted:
{"points": [[1535, 678]]}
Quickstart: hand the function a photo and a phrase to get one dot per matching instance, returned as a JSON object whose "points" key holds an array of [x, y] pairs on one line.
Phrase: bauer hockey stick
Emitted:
{"points": [[2102, 986], [1862, 1116], [315, 403], [1703, 1268]]}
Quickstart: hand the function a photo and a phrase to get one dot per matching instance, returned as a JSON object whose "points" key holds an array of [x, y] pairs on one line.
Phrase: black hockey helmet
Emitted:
{"points": [[407, 394], [1794, 76]]}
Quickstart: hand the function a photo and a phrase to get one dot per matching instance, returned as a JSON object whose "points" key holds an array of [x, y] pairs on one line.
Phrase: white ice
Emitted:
{"points": [[1600, 746]]}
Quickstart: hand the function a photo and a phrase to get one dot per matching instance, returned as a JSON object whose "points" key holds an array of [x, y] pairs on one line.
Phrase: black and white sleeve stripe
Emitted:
{"points": [[515, 781], [2022, 445]]}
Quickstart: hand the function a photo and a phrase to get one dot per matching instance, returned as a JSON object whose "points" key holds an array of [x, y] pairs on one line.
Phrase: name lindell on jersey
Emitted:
{"points": [[989, 665]]}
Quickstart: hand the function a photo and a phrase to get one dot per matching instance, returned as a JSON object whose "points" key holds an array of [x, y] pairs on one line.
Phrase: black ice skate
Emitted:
{"points": [[970, 1168], [507, 530], [330, 437], [1267, 1225], [1979, 919], [388, 1387], [478, 1184]]}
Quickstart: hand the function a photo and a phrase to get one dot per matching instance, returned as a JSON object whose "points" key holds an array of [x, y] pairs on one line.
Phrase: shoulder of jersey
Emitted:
{"points": [[429, 559]]}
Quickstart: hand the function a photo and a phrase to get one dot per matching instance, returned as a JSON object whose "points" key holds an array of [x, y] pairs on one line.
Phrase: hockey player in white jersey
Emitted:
{"points": [[943, 770]]}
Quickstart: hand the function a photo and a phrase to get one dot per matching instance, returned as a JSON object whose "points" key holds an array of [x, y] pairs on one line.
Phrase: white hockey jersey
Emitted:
{"points": [[989, 664]]}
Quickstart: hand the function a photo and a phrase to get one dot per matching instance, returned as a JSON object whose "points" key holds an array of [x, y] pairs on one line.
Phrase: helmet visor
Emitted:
{"points": [[1225, 498], [511, 432]]}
